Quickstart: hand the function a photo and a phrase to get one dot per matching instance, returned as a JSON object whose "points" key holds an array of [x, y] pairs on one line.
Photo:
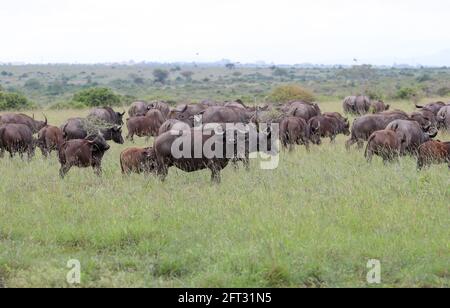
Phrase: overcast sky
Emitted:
{"points": [[279, 31]]}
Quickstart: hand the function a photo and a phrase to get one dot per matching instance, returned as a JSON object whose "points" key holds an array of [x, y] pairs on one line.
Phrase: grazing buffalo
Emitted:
{"points": [[218, 146], [363, 127], [190, 162], [108, 115], [145, 126], [174, 125], [226, 115], [138, 160], [304, 110], [162, 107], [411, 134], [433, 107], [384, 143], [357, 104], [138, 109], [83, 153], [443, 118], [50, 138], [433, 152], [423, 120], [379, 106], [294, 131], [327, 127], [336, 115], [79, 128], [186, 113], [14, 118], [16, 138]]}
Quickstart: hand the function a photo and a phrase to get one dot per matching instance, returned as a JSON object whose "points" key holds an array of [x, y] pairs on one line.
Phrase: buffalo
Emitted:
{"points": [[174, 125], [138, 160], [379, 106], [162, 107], [83, 153], [14, 118], [363, 127], [17, 138], [327, 127], [226, 115], [357, 104], [433, 152], [50, 138], [433, 107], [79, 128], [294, 130], [384, 143], [186, 113], [411, 134], [108, 115], [443, 118], [218, 144], [138, 109], [304, 110], [145, 126]]}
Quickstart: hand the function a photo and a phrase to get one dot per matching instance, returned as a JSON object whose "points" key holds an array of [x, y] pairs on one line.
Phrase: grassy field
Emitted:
{"points": [[313, 222]]}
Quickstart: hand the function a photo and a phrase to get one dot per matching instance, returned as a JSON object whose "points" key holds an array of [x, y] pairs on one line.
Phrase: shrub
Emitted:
{"points": [[97, 97], [287, 93], [160, 75], [406, 93], [444, 91], [14, 101], [33, 84], [280, 72]]}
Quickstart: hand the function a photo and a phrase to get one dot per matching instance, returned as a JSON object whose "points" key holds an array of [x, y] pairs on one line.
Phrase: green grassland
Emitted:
{"points": [[315, 221]]}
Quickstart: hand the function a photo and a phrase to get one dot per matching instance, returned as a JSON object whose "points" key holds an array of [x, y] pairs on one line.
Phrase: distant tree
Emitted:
{"points": [[33, 84], [4, 73], [187, 75], [237, 74], [230, 66], [287, 93], [175, 69], [280, 72], [160, 75], [137, 79], [97, 97]]}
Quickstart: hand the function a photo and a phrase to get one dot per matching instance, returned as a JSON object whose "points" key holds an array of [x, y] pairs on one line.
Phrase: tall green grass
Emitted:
{"points": [[313, 222]]}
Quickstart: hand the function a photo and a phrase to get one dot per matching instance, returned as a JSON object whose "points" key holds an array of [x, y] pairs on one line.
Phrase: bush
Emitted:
{"points": [[160, 75], [14, 101], [444, 91], [97, 97], [288, 93], [33, 84], [406, 93], [280, 72]]}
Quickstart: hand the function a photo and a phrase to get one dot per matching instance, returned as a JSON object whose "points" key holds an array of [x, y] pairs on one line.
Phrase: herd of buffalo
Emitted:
{"points": [[82, 142]]}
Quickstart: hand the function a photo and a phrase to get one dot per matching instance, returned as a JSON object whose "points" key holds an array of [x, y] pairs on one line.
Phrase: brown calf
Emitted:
{"points": [[436, 152], [138, 160]]}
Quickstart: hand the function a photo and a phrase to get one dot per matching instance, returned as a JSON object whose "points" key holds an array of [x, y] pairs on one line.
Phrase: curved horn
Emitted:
{"points": [[419, 107], [46, 120], [433, 134]]}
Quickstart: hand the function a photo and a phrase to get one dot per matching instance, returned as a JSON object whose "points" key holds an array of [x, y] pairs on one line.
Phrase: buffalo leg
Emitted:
{"points": [[64, 170], [215, 176], [360, 144], [349, 143]]}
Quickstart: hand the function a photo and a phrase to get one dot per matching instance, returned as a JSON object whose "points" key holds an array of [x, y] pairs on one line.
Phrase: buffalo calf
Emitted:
{"points": [[383, 143], [138, 160], [50, 138], [436, 152]]}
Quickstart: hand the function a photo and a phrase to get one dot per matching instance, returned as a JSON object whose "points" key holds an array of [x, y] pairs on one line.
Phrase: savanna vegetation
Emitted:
{"points": [[315, 221]]}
